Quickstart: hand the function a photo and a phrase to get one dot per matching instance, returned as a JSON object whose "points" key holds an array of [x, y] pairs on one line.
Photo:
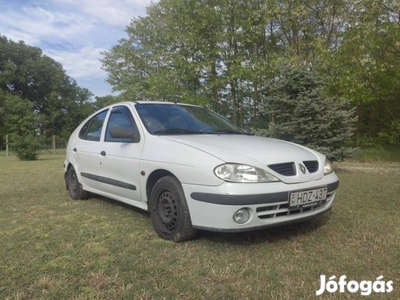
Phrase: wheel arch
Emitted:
{"points": [[154, 177], [68, 167]]}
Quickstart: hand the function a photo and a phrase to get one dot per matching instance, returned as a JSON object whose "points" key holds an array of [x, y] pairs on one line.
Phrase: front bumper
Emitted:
{"points": [[214, 207]]}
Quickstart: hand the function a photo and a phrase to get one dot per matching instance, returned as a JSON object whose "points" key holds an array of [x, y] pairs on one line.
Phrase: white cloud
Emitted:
{"points": [[85, 62], [111, 12], [42, 24], [72, 32]]}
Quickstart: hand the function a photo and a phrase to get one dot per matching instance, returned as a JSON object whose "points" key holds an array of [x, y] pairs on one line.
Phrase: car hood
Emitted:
{"points": [[255, 150]]}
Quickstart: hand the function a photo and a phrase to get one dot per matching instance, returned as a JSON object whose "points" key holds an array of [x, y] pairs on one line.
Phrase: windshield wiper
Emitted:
{"points": [[228, 131], [176, 131]]}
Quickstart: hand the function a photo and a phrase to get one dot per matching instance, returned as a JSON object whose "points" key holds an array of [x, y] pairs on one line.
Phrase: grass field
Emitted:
{"points": [[55, 248]]}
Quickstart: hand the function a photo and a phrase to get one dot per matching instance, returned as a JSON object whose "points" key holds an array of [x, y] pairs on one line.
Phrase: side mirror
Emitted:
{"points": [[117, 132]]}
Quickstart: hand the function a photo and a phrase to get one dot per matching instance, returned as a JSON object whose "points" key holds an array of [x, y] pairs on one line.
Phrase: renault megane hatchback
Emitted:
{"points": [[192, 169]]}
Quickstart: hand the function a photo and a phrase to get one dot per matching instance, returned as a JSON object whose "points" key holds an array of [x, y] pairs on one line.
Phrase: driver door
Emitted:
{"points": [[120, 156]]}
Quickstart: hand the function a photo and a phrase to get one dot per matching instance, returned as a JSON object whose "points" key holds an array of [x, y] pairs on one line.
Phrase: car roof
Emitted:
{"points": [[162, 103], [134, 103]]}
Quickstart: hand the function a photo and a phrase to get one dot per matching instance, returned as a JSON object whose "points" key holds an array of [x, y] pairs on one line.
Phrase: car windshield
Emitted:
{"points": [[167, 119]]}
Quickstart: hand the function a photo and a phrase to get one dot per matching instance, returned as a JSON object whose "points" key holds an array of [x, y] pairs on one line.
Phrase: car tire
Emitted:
{"points": [[74, 187], [169, 211]]}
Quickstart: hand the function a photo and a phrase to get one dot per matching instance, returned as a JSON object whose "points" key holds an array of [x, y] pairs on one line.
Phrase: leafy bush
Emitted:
{"points": [[26, 148], [392, 134], [296, 109]]}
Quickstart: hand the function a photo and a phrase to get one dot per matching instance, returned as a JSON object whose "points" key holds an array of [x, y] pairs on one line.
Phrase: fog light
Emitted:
{"points": [[241, 216]]}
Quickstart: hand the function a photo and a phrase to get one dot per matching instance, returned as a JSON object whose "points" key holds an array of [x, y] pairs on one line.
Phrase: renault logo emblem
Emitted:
{"points": [[302, 168]]}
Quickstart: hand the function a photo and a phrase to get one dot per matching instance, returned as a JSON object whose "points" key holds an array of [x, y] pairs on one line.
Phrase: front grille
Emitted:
{"points": [[285, 169], [281, 209], [311, 165]]}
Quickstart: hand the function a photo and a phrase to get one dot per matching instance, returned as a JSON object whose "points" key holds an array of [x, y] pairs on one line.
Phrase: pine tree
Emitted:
{"points": [[296, 109]]}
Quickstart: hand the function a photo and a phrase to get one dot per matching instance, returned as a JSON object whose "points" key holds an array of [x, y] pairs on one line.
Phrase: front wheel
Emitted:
{"points": [[169, 211], [74, 187]]}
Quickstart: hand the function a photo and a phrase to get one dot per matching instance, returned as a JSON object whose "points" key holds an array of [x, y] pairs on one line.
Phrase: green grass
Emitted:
{"points": [[378, 154], [53, 247]]}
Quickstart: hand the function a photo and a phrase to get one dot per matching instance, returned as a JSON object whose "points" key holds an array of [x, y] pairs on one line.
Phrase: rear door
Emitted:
{"points": [[87, 152]]}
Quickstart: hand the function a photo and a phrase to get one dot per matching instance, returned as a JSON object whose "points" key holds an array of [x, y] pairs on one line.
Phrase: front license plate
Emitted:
{"points": [[305, 198]]}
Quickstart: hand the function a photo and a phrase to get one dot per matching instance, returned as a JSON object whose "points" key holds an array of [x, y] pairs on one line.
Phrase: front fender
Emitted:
{"points": [[189, 165]]}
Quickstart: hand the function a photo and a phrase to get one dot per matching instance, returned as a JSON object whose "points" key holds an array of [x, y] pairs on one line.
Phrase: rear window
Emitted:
{"points": [[92, 129]]}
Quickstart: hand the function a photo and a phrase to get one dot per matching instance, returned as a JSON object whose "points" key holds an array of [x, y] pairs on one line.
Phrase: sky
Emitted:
{"points": [[72, 32]]}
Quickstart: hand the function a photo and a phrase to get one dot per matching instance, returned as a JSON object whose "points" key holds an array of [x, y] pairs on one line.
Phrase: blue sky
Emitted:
{"points": [[72, 32]]}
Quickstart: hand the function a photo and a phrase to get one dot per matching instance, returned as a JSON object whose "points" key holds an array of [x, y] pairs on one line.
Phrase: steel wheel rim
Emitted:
{"points": [[167, 210]]}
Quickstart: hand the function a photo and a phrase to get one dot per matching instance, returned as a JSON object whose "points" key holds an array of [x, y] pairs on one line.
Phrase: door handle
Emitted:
{"points": [[74, 149], [103, 153]]}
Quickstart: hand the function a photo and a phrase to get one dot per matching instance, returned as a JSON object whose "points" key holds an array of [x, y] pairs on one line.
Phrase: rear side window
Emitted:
{"points": [[92, 129]]}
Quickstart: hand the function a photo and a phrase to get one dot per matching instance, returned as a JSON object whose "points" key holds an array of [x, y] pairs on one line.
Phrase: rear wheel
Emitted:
{"points": [[169, 211], [74, 187]]}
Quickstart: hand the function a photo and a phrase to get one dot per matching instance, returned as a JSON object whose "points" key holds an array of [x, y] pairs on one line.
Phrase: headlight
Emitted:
{"points": [[243, 173], [327, 167]]}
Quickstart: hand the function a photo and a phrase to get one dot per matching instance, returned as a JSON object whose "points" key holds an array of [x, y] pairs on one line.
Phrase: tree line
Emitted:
{"points": [[226, 54], [256, 62]]}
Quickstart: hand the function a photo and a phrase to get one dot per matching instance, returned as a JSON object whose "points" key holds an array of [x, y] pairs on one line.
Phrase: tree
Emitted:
{"points": [[159, 59], [101, 102], [366, 68], [295, 108], [55, 99], [21, 125]]}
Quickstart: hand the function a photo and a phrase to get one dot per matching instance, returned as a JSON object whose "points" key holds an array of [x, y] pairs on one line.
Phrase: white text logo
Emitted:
{"points": [[364, 287]]}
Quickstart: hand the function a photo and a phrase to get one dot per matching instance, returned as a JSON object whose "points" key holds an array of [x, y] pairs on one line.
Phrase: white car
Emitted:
{"points": [[192, 169]]}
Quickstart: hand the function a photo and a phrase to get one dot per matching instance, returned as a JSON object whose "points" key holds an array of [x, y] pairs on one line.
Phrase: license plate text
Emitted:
{"points": [[305, 198]]}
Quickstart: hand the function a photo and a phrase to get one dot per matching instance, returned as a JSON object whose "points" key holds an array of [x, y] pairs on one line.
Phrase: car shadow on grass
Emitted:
{"points": [[114, 203], [266, 235], [258, 236]]}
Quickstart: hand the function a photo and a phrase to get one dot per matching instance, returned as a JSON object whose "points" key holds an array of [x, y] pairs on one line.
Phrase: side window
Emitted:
{"points": [[121, 127], [92, 129]]}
